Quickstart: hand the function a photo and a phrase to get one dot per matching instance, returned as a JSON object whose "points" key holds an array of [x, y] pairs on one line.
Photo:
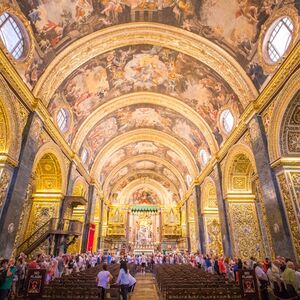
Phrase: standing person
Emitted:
{"points": [[123, 279], [144, 261], [5, 286], [103, 278]]}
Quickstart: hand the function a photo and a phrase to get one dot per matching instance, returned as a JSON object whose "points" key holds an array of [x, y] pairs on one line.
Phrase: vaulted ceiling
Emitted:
{"points": [[145, 82]]}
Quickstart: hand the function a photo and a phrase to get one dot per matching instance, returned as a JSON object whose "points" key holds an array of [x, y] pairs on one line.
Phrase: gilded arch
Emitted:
{"points": [[282, 101], [240, 157], [145, 98], [10, 122], [138, 158], [57, 157], [140, 135], [140, 33]]}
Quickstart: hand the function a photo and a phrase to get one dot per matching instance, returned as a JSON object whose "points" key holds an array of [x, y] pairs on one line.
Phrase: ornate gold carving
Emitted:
{"points": [[291, 213], [266, 116], [266, 232], [239, 183], [213, 234], [4, 183], [24, 216], [246, 236]]}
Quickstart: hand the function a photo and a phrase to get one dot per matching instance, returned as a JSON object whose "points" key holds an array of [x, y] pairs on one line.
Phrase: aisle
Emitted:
{"points": [[145, 288]]}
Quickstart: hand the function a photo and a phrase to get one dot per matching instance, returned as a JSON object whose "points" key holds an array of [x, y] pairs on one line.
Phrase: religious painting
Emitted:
{"points": [[233, 25], [172, 190], [144, 196], [143, 167], [144, 147], [144, 68]]}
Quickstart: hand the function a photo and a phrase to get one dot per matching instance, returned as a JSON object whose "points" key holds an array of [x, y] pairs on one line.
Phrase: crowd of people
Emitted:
{"points": [[281, 274]]}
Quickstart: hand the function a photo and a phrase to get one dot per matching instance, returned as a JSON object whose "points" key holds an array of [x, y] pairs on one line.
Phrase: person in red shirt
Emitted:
{"points": [[222, 267]]}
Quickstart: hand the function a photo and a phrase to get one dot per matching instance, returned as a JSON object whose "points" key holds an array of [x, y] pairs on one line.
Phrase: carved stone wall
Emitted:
{"points": [[291, 208], [245, 231], [213, 234], [290, 130]]}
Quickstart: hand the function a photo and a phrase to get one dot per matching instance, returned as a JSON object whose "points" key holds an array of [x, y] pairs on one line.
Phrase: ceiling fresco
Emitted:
{"points": [[141, 166], [58, 23], [143, 116], [145, 68], [144, 147], [145, 176]]}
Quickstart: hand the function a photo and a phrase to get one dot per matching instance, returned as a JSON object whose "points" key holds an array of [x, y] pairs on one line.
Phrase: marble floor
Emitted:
{"points": [[145, 288]]}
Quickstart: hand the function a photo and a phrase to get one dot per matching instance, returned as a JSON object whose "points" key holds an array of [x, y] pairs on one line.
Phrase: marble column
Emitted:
{"points": [[281, 237], [12, 208], [223, 214], [199, 219], [88, 216]]}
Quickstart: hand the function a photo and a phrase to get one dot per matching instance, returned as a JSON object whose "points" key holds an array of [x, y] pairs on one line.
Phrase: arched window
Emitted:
{"points": [[62, 119], [84, 155], [203, 157], [279, 38], [11, 35], [227, 120]]}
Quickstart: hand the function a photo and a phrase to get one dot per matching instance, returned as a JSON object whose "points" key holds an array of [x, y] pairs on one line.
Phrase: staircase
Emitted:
{"points": [[52, 228]]}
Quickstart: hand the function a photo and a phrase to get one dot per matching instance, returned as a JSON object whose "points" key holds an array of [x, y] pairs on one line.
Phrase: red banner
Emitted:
{"points": [[91, 237]]}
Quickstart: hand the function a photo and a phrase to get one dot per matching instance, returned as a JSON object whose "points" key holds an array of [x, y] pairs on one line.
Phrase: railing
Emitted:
{"points": [[53, 226]]}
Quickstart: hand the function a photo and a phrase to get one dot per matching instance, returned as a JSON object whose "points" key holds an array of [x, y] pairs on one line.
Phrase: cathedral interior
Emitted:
{"points": [[150, 125]]}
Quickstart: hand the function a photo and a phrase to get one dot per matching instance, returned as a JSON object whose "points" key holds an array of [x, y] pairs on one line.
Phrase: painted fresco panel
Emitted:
{"points": [[144, 68], [58, 23]]}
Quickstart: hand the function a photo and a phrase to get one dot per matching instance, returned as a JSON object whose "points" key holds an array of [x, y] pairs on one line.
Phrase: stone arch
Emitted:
{"points": [[139, 135], [49, 184], [238, 170], [10, 122], [55, 155], [284, 98], [208, 195], [290, 128], [80, 188], [240, 198]]}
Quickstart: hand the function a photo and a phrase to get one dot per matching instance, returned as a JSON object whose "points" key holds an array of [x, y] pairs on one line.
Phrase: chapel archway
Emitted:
{"points": [[45, 200], [240, 200]]}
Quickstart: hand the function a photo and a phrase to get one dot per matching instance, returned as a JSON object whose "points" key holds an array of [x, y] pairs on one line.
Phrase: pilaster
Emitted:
{"points": [[281, 236], [16, 195], [199, 219], [223, 214]]}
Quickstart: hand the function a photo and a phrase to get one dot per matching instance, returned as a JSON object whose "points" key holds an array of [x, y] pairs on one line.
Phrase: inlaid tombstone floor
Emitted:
{"points": [[145, 288]]}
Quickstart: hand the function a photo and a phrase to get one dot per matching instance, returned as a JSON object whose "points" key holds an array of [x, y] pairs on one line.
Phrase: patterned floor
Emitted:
{"points": [[145, 288]]}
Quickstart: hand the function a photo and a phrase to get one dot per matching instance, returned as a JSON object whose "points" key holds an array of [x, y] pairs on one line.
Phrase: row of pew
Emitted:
{"points": [[82, 285], [176, 282]]}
